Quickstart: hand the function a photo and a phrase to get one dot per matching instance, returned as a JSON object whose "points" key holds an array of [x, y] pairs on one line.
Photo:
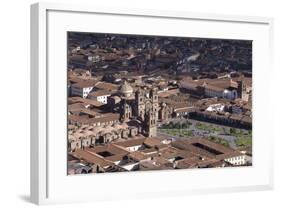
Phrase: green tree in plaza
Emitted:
{"points": [[232, 131]]}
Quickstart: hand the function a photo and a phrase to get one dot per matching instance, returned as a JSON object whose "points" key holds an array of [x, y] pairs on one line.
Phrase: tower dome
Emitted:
{"points": [[126, 89]]}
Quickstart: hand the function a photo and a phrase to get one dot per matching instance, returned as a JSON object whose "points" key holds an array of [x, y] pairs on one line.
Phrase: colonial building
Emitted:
{"points": [[165, 112], [126, 90], [127, 101], [126, 111], [80, 137], [82, 89], [147, 110], [142, 106], [100, 96], [220, 88], [242, 91]]}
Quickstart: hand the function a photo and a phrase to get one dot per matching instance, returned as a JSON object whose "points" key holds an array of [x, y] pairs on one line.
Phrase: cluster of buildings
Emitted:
{"points": [[175, 55], [225, 88], [113, 127], [156, 153], [114, 114]]}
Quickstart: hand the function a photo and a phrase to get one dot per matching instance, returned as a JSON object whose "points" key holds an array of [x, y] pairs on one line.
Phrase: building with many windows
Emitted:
{"points": [[82, 89], [220, 88], [100, 96]]}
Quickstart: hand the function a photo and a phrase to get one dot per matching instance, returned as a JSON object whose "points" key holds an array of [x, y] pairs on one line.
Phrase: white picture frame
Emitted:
{"points": [[49, 181]]}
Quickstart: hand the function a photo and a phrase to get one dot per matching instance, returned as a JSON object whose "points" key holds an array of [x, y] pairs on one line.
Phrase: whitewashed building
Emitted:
{"points": [[220, 88], [215, 108], [213, 91], [82, 89], [100, 96], [236, 159]]}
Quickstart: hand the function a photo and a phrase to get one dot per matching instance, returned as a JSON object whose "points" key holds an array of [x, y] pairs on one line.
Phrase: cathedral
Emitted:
{"points": [[142, 106]]}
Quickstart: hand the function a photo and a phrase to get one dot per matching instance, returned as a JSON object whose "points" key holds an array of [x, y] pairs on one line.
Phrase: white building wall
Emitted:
{"points": [[238, 160], [86, 91], [130, 166], [133, 148], [81, 92], [102, 99], [215, 107]]}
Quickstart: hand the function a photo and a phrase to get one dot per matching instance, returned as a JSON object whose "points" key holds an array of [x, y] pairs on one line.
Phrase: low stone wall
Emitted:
{"points": [[221, 120]]}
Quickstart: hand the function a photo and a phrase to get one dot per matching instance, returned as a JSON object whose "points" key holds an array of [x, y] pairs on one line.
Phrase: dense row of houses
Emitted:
{"points": [[220, 88], [156, 153]]}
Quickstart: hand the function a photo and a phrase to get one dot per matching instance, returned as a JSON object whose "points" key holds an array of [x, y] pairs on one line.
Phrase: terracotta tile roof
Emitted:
{"points": [[100, 93], [152, 141], [107, 86], [108, 117], [91, 158], [131, 142], [114, 149], [138, 156], [76, 107], [85, 101], [86, 83], [229, 155]]}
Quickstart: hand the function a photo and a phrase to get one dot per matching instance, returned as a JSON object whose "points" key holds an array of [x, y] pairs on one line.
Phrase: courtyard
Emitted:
{"points": [[227, 136]]}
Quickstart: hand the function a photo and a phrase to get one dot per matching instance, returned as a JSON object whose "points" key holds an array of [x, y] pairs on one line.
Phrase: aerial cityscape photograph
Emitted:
{"points": [[144, 103]]}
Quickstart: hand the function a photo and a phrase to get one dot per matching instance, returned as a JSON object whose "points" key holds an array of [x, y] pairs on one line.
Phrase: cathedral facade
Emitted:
{"points": [[146, 103], [142, 106]]}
